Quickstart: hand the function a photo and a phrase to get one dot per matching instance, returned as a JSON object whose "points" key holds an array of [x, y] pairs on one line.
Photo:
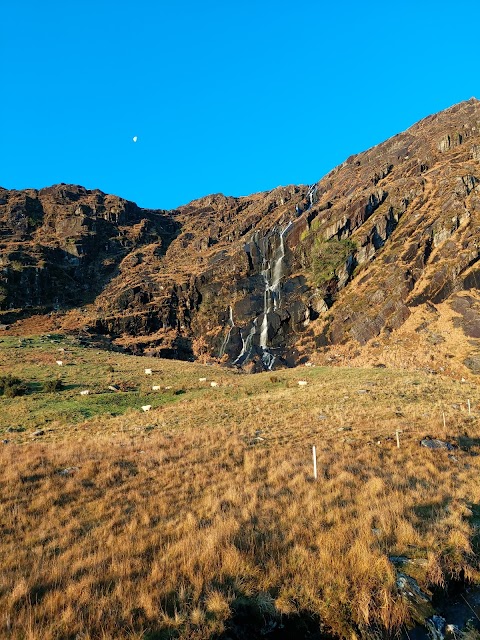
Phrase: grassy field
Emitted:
{"points": [[202, 512]]}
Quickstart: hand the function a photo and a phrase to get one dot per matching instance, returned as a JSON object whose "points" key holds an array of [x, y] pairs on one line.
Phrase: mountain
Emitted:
{"points": [[377, 263]]}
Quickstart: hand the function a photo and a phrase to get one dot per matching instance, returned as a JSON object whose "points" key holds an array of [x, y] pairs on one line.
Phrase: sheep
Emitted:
{"points": [[214, 384], [156, 387], [59, 362], [148, 372], [302, 383], [167, 388], [202, 379], [85, 392], [146, 407]]}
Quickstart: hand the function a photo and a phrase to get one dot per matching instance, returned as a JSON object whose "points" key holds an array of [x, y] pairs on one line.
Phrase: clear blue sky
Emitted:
{"points": [[231, 96]]}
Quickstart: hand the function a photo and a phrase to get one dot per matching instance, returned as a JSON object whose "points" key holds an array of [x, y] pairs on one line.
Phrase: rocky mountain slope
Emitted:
{"points": [[376, 263]]}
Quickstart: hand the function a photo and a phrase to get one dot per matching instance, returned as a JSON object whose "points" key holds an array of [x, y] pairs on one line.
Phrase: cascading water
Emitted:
{"points": [[272, 279], [272, 274], [227, 337], [246, 345], [266, 311], [277, 272], [312, 192]]}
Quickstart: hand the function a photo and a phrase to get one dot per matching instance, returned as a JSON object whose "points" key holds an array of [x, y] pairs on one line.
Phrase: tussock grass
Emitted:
{"points": [[171, 523]]}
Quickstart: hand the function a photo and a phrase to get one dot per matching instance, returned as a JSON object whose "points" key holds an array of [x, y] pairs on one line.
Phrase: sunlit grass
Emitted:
{"points": [[173, 522]]}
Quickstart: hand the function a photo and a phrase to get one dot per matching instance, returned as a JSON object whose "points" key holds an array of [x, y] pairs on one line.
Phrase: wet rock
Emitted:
{"points": [[452, 632], [436, 626], [419, 602]]}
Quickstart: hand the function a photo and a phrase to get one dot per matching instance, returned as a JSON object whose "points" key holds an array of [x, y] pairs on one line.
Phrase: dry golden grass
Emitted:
{"points": [[171, 523]]}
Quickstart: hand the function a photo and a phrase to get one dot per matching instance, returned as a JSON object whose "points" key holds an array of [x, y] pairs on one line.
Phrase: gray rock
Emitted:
{"points": [[68, 471], [473, 363], [39, 432], [434, 443], [419, 602], [400, 561]]}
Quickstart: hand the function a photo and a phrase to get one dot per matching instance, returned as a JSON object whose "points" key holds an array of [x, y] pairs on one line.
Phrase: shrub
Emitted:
{"points": [[52, 385], [11, 386]]}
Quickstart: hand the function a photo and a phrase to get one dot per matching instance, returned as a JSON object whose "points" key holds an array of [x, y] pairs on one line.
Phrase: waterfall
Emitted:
{"points": [[272, 295], [312, 192], [277, 272], [272, 274], [227, 337], [246, 345], [266, 311]]}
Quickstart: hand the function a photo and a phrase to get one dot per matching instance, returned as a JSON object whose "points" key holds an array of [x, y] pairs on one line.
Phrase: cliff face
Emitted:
{"points": [[388, 238], [60, 245]]}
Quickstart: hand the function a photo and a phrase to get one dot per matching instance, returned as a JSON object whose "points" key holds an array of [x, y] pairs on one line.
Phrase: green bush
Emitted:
{"points": [[52, 385], [328, 256], [11, 386]]}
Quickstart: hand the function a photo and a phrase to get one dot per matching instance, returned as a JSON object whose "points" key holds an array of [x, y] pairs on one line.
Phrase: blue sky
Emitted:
{"points": [[224, 96]]}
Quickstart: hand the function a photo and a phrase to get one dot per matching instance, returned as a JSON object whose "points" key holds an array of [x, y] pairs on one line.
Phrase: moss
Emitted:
{"points": [[328, 256]]}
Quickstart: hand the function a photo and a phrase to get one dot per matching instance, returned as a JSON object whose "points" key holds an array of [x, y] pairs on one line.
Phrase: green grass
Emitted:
{"points": [[33, 360]]}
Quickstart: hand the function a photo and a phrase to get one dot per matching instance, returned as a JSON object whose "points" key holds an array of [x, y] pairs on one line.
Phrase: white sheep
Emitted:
{"points": [[214, 384], [59, 362], [202, 379], [146, 407], [148, 372], [167, 388], [302, 383], [156, 387], [85, 392]]}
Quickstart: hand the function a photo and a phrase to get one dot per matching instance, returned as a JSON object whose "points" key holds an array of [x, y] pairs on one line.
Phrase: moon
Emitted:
{"points": [[135, 138]]}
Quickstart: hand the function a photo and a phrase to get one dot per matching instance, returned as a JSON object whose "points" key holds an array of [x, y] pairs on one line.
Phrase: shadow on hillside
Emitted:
{"points": [[50, 279], [466, 443]]}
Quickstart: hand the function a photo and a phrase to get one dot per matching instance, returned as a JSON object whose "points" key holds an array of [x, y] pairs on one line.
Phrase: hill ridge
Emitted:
{"points": [[269, 279]]}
